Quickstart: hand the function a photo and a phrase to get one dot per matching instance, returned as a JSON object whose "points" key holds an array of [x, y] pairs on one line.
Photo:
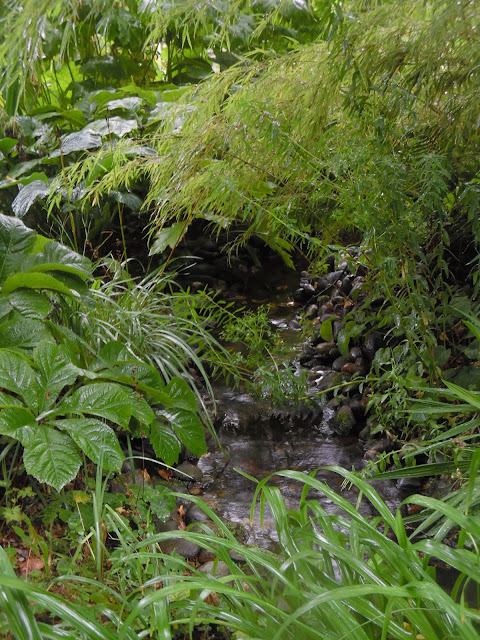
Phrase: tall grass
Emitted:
{"points": [[338, 576]]}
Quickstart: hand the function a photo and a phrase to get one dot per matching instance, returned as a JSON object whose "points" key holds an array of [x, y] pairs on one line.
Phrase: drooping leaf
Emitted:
{"points": [[165, 442], [168, 237], [132, 201], [32, 280], [16, 422], [188, 428], [78, 141], [27, 196], [51, 456], [58, 257], [17, 376], [55, 372], [16, 241], [96, 439], [181, 395], [104, 399]]}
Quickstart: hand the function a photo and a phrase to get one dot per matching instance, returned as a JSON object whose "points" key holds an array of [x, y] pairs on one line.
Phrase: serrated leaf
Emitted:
{"points": [[168, 237], [114, 125], [22, 334], [165, 442], [181, 395], [57, 257], [16, 241], [27, 196], [30, 303], [32, 280], [16, 422], [104, 399], [78, 141], [160, 499], [96, 439], [141, 410], [51, 457], [188, 428], [17, 376], [55, 372]]}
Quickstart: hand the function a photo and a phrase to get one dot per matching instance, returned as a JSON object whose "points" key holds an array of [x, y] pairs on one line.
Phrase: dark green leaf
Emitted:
{"points": [[55, 372], [104, 399], [160, 499], [168, 237], [51, 456], [188, 428], [78, 141], [17, 423], [96, 439], [165, 442], [181, 395], [16, 241], [33, 280], [22, 334], [17, 376], [7, 144], [27, 196], [30, 303]]}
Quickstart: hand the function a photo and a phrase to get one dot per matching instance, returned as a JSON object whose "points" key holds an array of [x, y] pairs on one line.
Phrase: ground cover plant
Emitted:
{"points": [[306, 125]]}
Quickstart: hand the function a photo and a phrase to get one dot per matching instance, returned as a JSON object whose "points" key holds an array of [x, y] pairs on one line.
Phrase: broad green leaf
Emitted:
{"points": [[16, 241], [78, 141], [53, 256], [168, 237], [27, 196], [96, 439], [6, 400], [7, 144], [35, 281], [132, 103], [326, 330], [55, 372], [17, 423], [22, 334], [188, 428], [17, 376], [114, 125], [181, 395], [141, 410], [30, 303], [111, 354], [160, 499], [165, 442], [51, 456], [104, 399]]}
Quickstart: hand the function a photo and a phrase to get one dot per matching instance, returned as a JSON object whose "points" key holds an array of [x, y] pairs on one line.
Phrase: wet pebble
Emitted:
{"points": [[186, 469], [343, 421], [340, 362], [195, 514], [215, 569]]}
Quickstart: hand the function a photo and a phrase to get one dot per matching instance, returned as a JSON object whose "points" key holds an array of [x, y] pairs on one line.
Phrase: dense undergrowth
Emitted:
{"points": [[306, 126]]}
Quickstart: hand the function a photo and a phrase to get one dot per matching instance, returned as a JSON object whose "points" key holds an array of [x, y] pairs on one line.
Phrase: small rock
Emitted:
{"points": [[324, 348], [355, 352], [184, 548], [339, 363], [215, 569], [410, 484], [330, 262], [195, 514], [343, 421], [206, 555], [188, 469], [311, 311]]}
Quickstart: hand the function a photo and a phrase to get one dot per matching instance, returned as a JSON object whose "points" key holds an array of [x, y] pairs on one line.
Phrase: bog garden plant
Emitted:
{"points": [[298, 126]]}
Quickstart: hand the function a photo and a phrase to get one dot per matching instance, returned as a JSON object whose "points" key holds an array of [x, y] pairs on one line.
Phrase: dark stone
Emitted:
{"points": [[347, 284], [337, 327], [324, 348], [311, 311], [333, 277], [309, 289], [343, 421], [371, 346], [330, 262], [190, 470], [339, 363], [301, 296], [184, 548], [351, 367], [355, 352], [361, 270], [215, 569], [410, 484], [195, 514], [323, 286], [294, 324]]}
